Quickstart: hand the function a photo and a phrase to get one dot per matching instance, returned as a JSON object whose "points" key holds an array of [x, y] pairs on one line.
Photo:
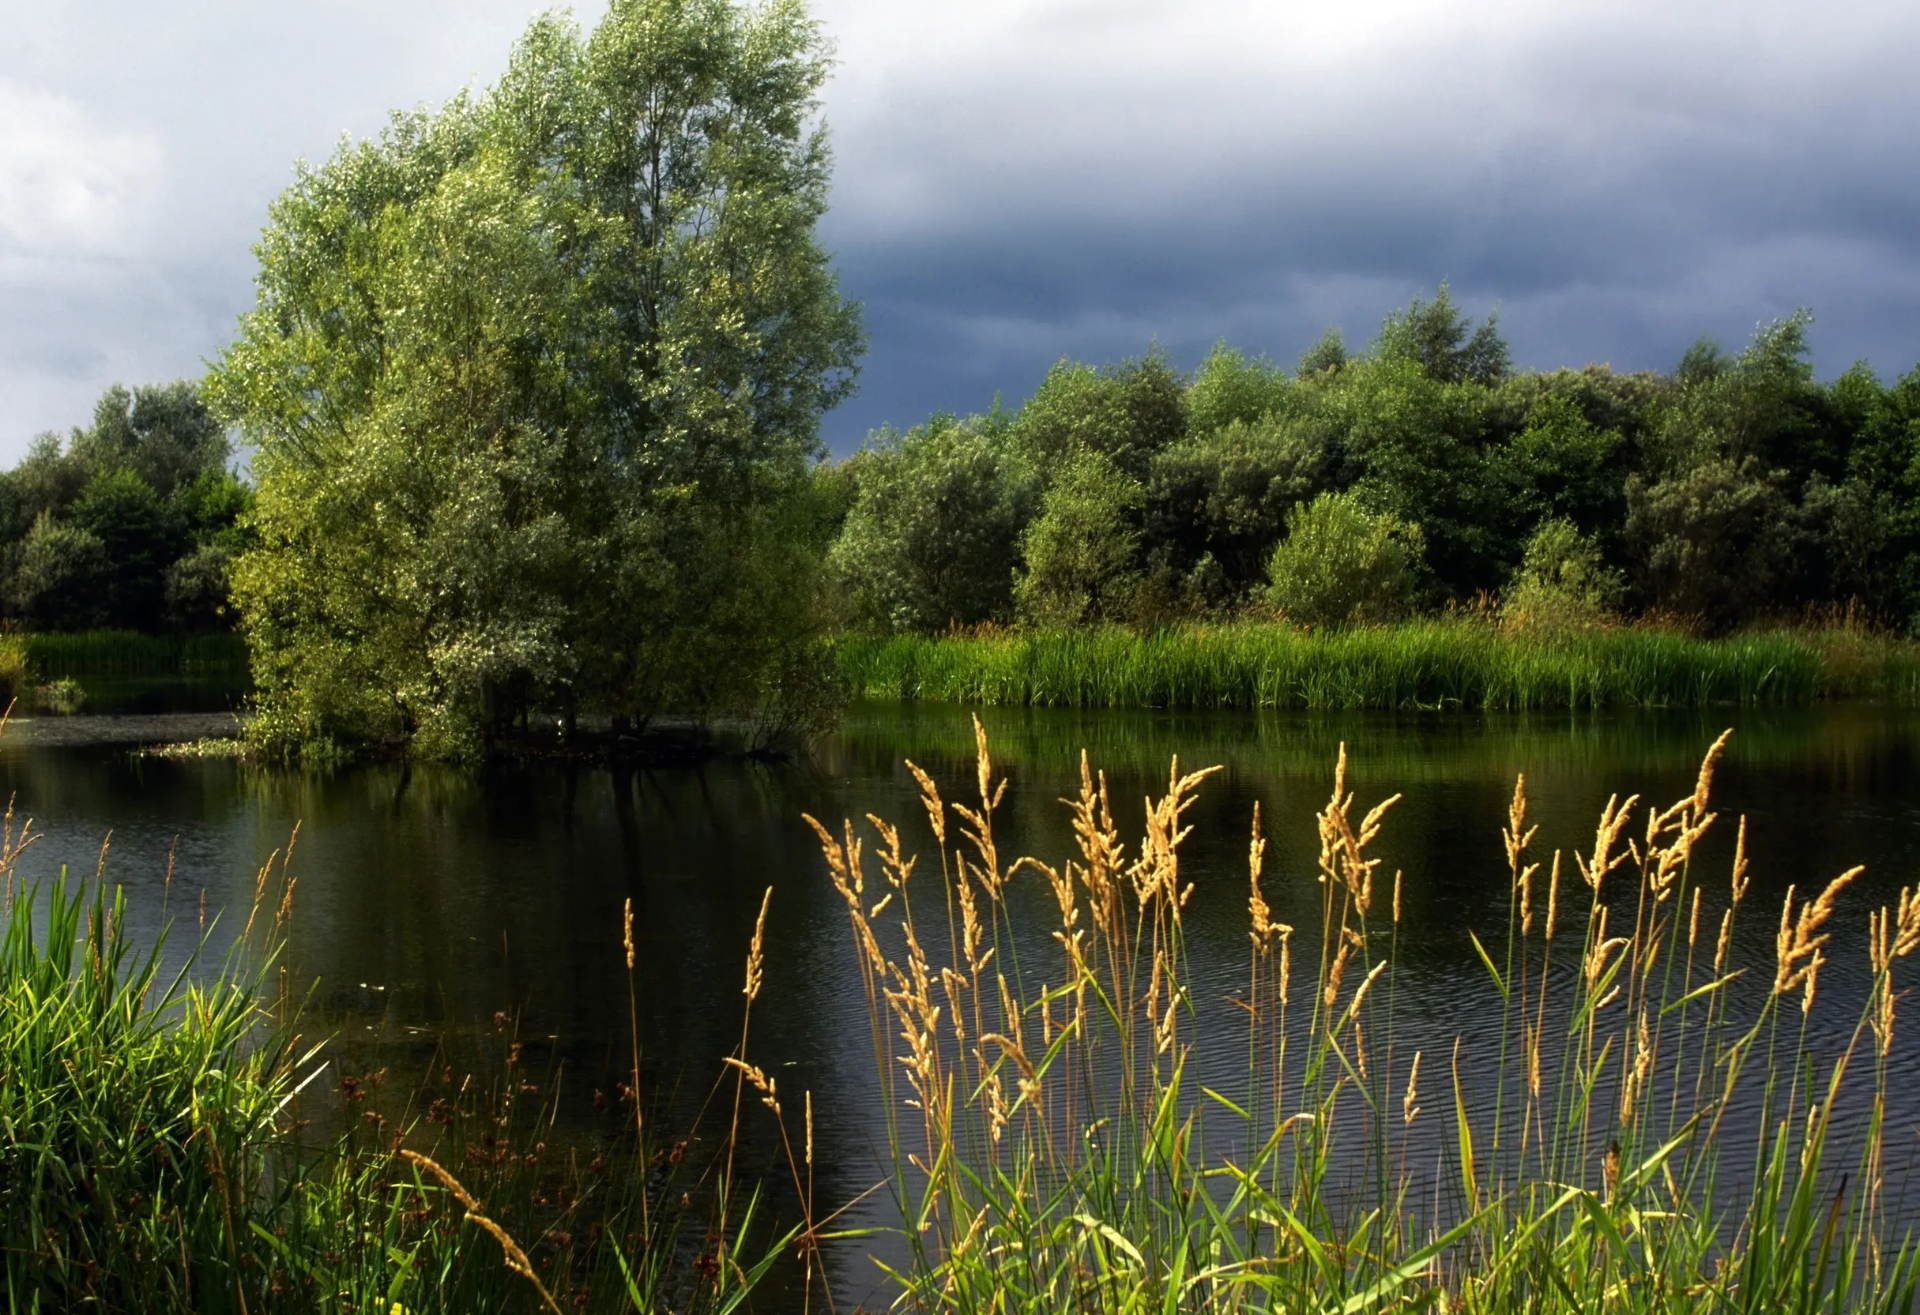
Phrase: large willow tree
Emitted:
{"points": [[534, 383]]}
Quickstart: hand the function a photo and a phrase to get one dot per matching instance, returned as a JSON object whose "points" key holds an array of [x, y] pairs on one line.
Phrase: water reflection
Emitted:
{"points": [[430, 899]]}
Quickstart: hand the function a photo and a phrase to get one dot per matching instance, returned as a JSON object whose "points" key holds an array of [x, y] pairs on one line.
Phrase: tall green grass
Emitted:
{"points": [[156, 1152], [123, 653], [134, 1110], [1422, 664], [1634, 1124]]}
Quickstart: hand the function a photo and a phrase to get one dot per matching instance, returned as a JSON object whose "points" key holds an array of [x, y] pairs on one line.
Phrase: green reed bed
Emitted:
{"points": [[1636, 1125], [157, 1152], [47, 657], [1423, 664]]}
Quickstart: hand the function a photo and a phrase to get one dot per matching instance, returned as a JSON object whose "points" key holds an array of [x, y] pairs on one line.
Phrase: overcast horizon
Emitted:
{"points": [[1024, 181]]}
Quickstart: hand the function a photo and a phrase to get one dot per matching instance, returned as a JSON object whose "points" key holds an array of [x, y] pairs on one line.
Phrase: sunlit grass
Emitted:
{"points": [[1639, 1124], [1424, 664], [157, 1150]]}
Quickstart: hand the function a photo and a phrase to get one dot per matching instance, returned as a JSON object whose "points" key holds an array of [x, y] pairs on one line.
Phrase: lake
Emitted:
{"points": [[429, 900]]}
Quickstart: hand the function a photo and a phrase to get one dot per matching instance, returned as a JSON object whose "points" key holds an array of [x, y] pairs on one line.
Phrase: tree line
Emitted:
{"points": [[533, 385], [129, 523], [1422, 472]]}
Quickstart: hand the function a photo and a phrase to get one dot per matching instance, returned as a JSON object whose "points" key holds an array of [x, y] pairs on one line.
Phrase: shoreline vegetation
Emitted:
{"points": [[1461, 662], [59, 673], [550, 459], [1443, 663], [162, 1146], [1640, 1124], [42, 656]]}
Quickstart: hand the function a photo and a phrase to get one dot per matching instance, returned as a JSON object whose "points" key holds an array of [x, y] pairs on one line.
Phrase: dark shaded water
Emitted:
{"points": [[429, 899]]}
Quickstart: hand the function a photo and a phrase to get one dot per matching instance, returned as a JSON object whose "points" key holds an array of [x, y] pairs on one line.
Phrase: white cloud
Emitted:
{"points": [[69, 183]]}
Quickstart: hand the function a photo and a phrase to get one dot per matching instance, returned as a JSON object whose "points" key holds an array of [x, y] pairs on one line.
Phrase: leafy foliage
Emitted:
{"points": [[1439, 337], [1734, 489], [534, 381], [1562, 577], [932, 537], [95, 529], [1709, 542], [1219, 499], [1082, 550], [1342, 563], [1125, 412]]}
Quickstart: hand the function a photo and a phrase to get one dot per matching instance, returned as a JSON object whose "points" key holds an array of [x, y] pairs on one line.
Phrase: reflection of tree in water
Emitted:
{"points": [[452, 895]]}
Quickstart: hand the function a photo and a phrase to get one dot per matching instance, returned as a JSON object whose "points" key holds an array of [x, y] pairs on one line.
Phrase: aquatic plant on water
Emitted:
{"points": [[1645, 1127], [1444, 663], [155, 1152]]}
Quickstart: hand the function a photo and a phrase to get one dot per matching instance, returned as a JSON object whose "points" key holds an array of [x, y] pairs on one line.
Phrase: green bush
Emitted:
{"points": [[1341, 563], [59, 577], [933, 535], [1710, 542], [1562, 578], [1223, 496], [1229, 388], [198, 591], [1081, 553], [1126, 412]]}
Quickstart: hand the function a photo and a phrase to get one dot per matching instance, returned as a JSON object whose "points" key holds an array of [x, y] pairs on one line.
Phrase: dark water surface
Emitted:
{"points": [[430, 899]]}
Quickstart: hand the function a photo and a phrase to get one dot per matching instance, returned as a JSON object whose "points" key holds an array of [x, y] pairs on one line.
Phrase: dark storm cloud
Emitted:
{"points": [[1617, 182], [1020, 180]]}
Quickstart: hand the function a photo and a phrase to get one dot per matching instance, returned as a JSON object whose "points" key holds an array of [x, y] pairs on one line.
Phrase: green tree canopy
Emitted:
{"points": [[1734, 487], [933, 535], [1081, 551], [534, 382], [91, 529], [1341, 563], [1125, 412], [164, 433], [1230, 387], [1440, 337]]}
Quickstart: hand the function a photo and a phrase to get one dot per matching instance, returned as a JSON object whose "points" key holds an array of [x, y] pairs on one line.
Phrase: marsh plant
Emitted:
{"points": [[1645, 1126], [161, 1147], [1448, 662]]}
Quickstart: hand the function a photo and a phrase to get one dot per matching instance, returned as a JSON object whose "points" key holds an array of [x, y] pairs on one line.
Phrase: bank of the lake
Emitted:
{"points": [[1427, 664], [450, 916], [120, 671]]}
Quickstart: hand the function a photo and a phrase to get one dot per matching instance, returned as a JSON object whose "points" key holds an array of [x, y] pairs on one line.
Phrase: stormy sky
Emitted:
{"points": [[1019, 180]]}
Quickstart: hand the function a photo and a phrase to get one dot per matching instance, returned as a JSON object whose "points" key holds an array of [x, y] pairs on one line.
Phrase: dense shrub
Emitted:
{"points": [[933, 534], [1710, 542], [1341, 563], [1125, 412], [1562, 578], [1222, 497], [58, 577], [1082, 550]]}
